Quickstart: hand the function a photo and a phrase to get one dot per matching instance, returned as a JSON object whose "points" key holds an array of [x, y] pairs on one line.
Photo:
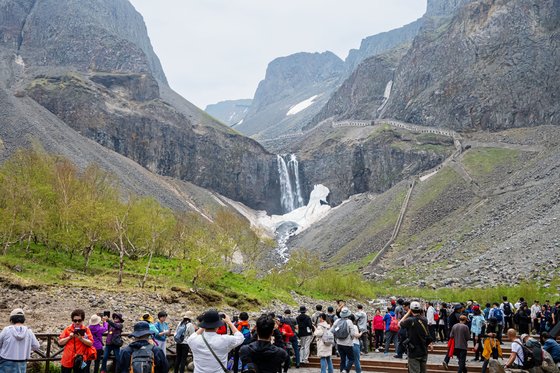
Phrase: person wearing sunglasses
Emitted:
{"points": [[77, 341]]}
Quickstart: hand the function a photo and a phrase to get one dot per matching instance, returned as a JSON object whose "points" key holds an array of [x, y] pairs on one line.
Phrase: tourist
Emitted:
{"points": [[288, 319], [546, 320], [391, 334], [342, 330], [419, 339], [453, 319], [184, 330], [444, 319], [402, 332], [356, 344], [486, 312], [163, 331], [76, 340], [523, 319], [477, 322], [286, 334], [210, 350], [114, 340], [535, 310], [324, 351], [461, 334], [509, 311], [139, 355], [340, 304], [516, 357], [378, 327], [498, 314], [362, 323], [491, 348], [150, 320], [331, 315], [98, 326], [551, 346], [16, 343], [315, 316], [432, 323], [305, 333], [262, 356], [555, 314], [243, 326]]}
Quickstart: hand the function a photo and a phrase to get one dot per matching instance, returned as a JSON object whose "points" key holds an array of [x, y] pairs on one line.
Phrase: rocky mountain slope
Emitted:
{"points": [[459, 69], [229, 112], [94, 68], [490, 217], [294, 89]]}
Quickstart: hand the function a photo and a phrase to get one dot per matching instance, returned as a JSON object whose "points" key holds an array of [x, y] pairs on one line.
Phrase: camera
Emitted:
{"points": [[80, 331], [222, 316]]}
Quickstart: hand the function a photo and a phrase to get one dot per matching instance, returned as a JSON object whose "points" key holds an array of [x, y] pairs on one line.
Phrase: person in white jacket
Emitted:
{"points": [[16, 343], [432, 324], [324, 351]]}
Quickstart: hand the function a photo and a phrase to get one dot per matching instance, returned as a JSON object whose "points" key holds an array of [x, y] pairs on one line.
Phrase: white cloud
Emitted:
{"points": [[213, 50]]}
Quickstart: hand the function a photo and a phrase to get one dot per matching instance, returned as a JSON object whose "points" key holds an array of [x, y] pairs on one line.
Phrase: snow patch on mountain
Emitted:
{"points": [[297, 108]]}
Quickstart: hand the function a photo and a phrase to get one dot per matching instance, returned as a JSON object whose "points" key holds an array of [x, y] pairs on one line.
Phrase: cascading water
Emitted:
{"points": [[290, 186]]}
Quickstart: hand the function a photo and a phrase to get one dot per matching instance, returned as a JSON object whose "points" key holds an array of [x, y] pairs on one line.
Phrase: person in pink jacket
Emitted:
{"points": [[378, 327]]}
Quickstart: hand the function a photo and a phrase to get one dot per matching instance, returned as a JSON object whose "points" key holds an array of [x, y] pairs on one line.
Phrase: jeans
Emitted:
{"points": [[97, 362], [346, 357], [402, 336], [108, 349], [295, 344], [181, 358], [305, 347], [356, 349], [8, 366], [432, 329], [326, 365], [391, 337], [462, 357], [378, 338], [364, 342], [417, 364]]}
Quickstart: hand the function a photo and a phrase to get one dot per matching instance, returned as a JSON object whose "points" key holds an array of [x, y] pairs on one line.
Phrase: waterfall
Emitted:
{"points": [[294, 165], [290, 185]]}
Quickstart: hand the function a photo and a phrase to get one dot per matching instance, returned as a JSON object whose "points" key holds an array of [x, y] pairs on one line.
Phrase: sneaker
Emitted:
{"points": [[376, 350], [397, 357], [445, 365], [343, 371]]}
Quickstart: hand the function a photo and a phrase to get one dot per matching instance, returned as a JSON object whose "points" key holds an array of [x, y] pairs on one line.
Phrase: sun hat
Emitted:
{"points": [[415, 306], [211, 320], [17, 312], [119, 316], [188, 315], [147, 317], [345, 313], [141, 329], [94, 320], [302, 309]]}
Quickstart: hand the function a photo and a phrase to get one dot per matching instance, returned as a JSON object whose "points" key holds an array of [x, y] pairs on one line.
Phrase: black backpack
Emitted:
{"points": [[528, 356], [143, 360], [507, 309]]}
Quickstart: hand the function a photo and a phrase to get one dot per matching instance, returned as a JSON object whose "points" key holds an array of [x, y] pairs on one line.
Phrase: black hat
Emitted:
{"points": [[302, 309], [211, 320], [141, 329], [119, 316]]}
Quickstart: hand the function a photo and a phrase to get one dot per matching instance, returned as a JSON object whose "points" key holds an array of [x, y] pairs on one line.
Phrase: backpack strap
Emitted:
{"points": [[214, 354]]}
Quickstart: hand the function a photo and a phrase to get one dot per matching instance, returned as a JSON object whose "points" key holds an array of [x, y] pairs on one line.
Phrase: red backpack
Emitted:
{"points": [[436, 316], [394, 325]]}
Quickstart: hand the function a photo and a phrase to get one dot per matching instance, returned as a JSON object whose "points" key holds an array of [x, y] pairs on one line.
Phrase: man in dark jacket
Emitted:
{"points": [[419, 339], [305, 333], [262, 356], [142, 335]]}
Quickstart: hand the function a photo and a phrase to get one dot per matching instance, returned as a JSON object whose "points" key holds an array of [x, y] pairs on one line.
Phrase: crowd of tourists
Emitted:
{"points": [[274, 343]]}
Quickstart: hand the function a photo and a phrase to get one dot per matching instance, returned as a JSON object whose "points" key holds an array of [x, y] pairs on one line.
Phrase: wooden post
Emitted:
{"points": [[48, 363]]}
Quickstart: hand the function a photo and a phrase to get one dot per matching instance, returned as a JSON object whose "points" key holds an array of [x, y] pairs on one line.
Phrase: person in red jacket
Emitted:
{"points": [[287, 333], [378, 327]]}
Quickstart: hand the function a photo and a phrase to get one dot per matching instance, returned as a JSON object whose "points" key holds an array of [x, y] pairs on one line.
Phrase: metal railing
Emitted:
{"points": [[53, 352]]}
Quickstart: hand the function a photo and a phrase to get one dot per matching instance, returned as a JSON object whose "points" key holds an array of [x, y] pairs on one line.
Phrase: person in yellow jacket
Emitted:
{"points": [[491, 345]]}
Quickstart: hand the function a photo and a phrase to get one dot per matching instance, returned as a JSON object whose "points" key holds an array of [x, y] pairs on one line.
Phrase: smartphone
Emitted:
{"points": [[107, 314], [80, 331]]}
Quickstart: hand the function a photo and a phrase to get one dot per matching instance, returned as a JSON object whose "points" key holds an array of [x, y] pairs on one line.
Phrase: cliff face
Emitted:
{"points": [[493, 65], [92, 65], [381, 43], [229, 112], [364, 93]]}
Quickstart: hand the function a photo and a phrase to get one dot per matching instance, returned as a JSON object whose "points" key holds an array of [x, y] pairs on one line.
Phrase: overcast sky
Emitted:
{"points": [[214, 50]]}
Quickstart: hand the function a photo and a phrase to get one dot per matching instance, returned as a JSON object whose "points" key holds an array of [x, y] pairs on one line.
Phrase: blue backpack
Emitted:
{"points": [[499, 315]]}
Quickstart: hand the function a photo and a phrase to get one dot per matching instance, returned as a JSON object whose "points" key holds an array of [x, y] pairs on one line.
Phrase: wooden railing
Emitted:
{"points": [[53, 352]]}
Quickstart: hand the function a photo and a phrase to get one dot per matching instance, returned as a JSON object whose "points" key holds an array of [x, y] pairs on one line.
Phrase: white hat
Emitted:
{"points": [[415, 306], [94, 320], [16, 312]]}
